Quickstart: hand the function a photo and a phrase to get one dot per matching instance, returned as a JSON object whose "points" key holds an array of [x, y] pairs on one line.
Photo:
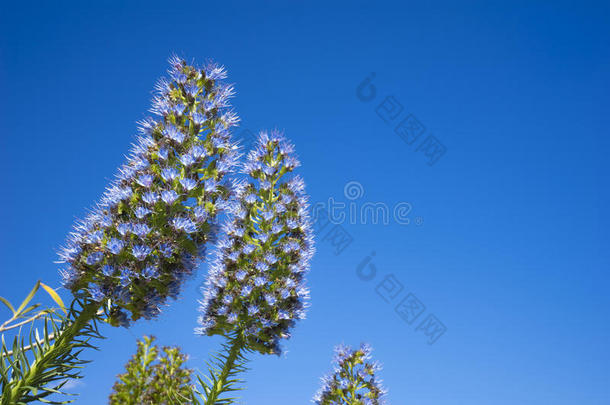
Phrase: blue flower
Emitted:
{"points": [[145, 180], [191, 89], [95, 237], [271, 258], [200, 213], [198, 118], [141, 212], [169, 196], [150, 272], [185, 224], [141, 230], [178, 108], [166, 250], [210, 185], [125, 277], [197, 151], [169, 173], [261, 266], [163, 153], [270, 299], [187, 159], [124, 228], [140, 252], [188, 184], [259, 281], [150, 197], [241, 274], [94, 257], [174, 133], [249, 248], [96, 293], [107, 270], [114, 246], [250, 198]]}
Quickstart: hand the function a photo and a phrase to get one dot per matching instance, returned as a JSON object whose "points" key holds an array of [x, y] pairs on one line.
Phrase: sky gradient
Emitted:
{"points": [[507, 239]]}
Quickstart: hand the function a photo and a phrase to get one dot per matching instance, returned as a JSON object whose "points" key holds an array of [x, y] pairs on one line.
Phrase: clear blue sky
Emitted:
{"points": [[512, 254]]}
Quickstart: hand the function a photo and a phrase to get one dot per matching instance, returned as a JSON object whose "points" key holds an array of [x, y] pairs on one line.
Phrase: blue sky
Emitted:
{"points": [[507, 243]]}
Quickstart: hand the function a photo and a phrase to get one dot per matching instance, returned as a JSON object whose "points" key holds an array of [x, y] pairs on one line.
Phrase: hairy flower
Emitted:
{"points": [[154, 220], [353, 380], [256, 284]]}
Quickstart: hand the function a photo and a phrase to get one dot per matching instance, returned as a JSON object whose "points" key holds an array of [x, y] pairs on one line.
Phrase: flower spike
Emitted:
{"points": [[353, 380], [256, 284], [150, 229]]}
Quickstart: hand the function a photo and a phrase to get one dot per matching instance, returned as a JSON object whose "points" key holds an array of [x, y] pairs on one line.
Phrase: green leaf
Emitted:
{"points": [[55, 297], [29, 297], [8, 304]]}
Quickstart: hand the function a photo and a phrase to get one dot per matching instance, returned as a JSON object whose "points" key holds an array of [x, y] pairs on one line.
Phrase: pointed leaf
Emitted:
{"points": [[8, 304], [55, 296], [29, 297]]}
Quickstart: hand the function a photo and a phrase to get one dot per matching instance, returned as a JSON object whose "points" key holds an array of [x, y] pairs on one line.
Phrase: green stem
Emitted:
{"points": [[237, 344], [55, 350]]}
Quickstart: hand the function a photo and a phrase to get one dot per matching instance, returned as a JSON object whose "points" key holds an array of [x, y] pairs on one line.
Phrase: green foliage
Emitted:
{"points": [[224, 370], [154, 376], [44, 354]]}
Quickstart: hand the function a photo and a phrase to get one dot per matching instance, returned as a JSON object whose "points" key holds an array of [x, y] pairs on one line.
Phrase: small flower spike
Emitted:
{"points": [[353, 381], [256, 284], [149, 231]]}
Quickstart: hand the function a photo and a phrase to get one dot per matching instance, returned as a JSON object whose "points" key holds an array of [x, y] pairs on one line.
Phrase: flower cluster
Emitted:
{"points": [[353, 380], [256, 284], [150, 228]]}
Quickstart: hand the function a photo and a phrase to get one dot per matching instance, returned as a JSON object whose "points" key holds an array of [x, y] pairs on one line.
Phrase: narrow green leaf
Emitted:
{"points": [[8, 304], [29, 297], [55, 297]]}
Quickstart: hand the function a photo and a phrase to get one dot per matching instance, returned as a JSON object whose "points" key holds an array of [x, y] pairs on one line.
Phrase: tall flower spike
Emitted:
{"points": [[353, 380], [256, 284], [151, 226]]}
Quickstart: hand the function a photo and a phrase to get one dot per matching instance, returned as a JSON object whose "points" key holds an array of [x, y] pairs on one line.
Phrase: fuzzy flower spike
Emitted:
{"points": [[256, 285], [151, 226], [353, 380]]}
